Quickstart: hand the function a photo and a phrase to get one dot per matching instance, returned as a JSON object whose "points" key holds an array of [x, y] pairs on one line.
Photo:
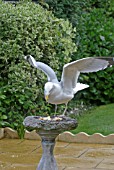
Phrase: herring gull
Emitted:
{"points": [[59, 92]]}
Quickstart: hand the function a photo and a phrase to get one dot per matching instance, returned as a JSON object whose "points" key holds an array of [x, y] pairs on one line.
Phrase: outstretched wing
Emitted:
{"points": [[71, 71], [44, 67]]}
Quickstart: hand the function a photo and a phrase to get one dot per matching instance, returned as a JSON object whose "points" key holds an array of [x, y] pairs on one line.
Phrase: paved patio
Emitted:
{"points": [[18, 154]]}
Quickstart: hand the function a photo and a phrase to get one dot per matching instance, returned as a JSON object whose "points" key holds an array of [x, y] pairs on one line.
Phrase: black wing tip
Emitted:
{"points": [[27, 57]]}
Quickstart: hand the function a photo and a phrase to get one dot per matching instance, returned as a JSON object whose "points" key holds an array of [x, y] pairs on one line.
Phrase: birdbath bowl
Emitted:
{"points": [[48, 129]]}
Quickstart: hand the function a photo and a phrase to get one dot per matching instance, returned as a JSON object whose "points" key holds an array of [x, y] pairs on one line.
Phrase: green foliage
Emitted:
{"points": [[29, 29], [98, 41], [74, 9], [94, 21], [98, 34], [101, 89]]}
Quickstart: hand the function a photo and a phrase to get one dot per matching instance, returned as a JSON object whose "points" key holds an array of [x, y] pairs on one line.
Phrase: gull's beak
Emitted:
{"points": [[46, 97]]}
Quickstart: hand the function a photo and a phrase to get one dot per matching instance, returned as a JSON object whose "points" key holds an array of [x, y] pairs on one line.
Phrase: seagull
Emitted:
{"points": [[61, 92]]}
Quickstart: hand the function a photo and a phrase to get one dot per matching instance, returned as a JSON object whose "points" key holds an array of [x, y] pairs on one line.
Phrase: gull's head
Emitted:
{"points": [[47, 89]]}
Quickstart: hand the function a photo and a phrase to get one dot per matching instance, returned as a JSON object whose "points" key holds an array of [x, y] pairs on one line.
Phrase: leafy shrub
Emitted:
{"points": [[98, 41], [74, 9], [29, 29]]}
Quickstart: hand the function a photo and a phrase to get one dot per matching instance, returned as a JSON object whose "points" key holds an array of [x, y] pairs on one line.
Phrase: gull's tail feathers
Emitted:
{"points": [[80, 86]]}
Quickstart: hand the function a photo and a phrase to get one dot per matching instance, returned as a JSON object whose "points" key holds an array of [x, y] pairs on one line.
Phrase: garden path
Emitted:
{"points": [[16, 154]]}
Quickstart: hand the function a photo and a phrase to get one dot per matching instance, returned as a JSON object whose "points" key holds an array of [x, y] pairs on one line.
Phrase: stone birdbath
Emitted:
{"points": [[49, 128]]}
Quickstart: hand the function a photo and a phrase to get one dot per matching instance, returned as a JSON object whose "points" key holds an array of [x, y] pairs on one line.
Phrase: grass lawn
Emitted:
{"points": [[99, 120]]}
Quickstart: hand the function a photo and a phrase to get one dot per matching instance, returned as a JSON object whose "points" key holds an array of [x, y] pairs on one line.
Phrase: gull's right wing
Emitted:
{"points": [[72, 70]]}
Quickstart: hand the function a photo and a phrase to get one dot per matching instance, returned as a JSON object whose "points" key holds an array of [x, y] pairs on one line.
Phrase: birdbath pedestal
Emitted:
{"points": [[49, 129]]}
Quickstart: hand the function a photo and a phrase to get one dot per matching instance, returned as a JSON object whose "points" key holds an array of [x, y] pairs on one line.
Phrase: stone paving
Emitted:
{"points": [[16, 154]]}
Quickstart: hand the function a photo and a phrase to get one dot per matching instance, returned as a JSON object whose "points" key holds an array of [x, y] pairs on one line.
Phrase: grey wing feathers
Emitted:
{"points": [[48, 71], [94, 65], [72, 70], [87, 65], [44, 67]]}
